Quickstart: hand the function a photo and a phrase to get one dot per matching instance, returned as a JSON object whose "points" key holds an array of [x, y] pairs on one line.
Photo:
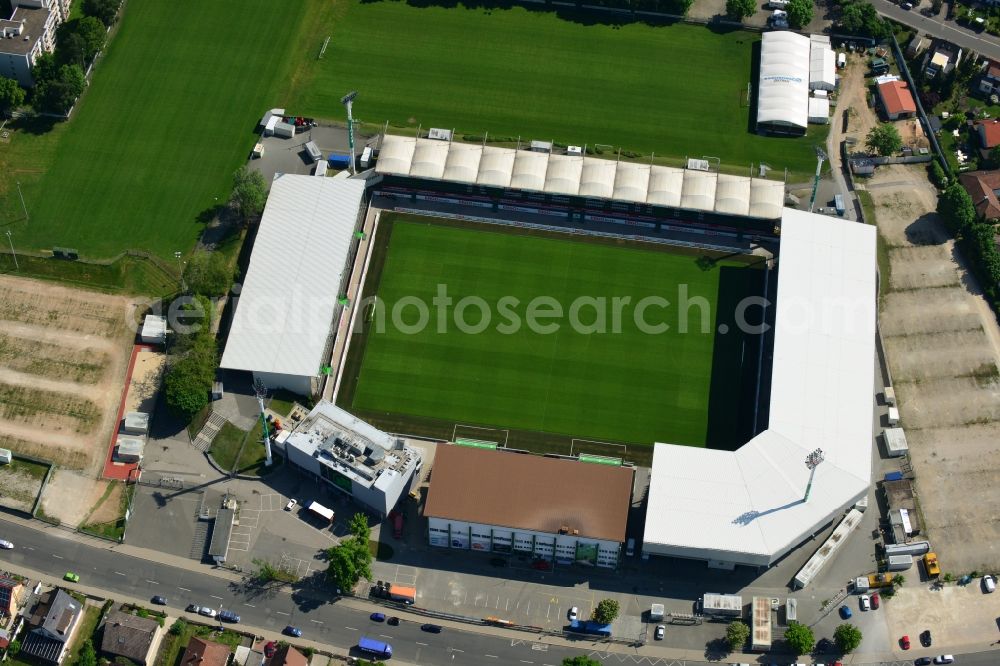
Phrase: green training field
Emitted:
{"points": [[631, 386], [168, 117], [676, 90]]}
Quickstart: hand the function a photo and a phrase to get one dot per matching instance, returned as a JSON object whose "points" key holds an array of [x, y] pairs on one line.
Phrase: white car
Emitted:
{"points": [[865, 602], [207, 612], [291, 504], [660, 629], [944, 659], [573, 613], [6, 545]]}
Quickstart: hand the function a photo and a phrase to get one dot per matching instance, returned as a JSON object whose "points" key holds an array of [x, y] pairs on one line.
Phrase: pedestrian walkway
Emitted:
{"points": [[205, 437]]}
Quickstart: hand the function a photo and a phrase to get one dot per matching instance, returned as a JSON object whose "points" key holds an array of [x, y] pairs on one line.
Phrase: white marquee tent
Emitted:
{"points": [[783, 90]]}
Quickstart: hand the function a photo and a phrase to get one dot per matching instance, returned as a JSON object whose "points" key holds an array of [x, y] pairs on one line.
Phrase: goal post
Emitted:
{"points": [[480, 436]]}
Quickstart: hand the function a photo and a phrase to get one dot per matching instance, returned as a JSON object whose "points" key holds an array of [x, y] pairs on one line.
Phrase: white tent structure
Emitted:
{"points": [[819, 111], [283, 320], [783, 89], [746, 507], [577, 175], [822, 63]]}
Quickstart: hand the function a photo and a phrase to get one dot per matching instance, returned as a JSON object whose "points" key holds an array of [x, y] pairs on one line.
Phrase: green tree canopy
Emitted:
{"points": [[800, 638], [57, 95], [737, 634], [87, 655], [800, 12], [606, 611], [956, 208], [351, 560], [937, 175], [860, 18], [848, 638], [90, 36], [740, 9], [580, 660], [884, 139], [207, 274], [104, 10], [11, 95], [249, 193]]}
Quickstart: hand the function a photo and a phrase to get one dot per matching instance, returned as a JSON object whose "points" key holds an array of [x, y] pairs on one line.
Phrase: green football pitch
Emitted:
{"points": [[676, 90], [629, 384]]}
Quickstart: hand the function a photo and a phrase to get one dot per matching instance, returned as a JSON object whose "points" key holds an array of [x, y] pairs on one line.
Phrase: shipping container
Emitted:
{"points": [[900, 562], [374, 647], [313, 151], [723, 605]]}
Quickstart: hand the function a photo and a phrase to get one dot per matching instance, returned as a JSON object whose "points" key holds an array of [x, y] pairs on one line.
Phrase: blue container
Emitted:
{"points": [[337, 161], [893, 476]]}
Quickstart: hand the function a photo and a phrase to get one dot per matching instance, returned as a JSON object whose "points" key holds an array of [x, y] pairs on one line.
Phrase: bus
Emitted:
{"points": [[376, 648]]}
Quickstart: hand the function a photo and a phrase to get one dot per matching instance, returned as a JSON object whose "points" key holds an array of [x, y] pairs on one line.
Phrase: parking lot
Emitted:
{"points": [[283, 155]]}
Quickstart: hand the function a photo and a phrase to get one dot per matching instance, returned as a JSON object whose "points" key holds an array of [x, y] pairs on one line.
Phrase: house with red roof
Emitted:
{"points": [[897, 101], [989, 135], [984, 188]]}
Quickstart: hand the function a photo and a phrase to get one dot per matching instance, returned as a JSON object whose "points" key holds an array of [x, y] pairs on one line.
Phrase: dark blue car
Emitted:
{"points": [[845, 612], [377, 617], [293, 631], [229, 616]]}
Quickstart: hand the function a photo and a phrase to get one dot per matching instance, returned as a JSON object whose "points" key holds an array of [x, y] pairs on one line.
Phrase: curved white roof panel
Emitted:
{"points": [[821, 397], [699, 190], [462, 165], [598, 178], [496, 166], [429, 157], [665, 186], [395, 155], [822, 67], [529, 170], [632, 181], [783, 90], [767, 198], [732, 195], [563, 174]]}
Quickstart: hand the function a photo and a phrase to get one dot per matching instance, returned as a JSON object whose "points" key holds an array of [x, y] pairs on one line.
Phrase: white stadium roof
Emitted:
{"points": [[282, 320], [746, 506], [783, 91], [582, 176]]}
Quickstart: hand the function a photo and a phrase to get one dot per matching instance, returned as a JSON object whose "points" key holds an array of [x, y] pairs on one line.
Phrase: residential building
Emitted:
{"points": [[12, 595], [896, 99], [989, 80], [52, 623], [984, 188], [27, 34], [941, 60], [288, 656], [353, 457], [200, 652], [989, 135], [128, 636], [491, 499]]}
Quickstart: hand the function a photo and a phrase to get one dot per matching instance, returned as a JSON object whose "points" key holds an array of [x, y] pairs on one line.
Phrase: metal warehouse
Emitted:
{"points": [[504, 501]]}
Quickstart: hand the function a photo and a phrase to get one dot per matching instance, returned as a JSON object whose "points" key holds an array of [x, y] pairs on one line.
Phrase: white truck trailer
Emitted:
{"points": [[722, 605]]}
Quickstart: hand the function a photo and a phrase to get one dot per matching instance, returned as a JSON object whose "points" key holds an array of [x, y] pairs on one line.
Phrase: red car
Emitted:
{"points": [[875, 601], [905, 642], [541, 565]]}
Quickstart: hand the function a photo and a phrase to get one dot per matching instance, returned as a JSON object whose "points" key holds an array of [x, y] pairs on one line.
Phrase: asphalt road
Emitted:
{"points": [[321, 620], [982, 43]]}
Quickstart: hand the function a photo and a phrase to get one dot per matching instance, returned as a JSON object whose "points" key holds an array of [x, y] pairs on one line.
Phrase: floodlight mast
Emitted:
{"points": [[820, 158], [812, 462], [347, 100], [261, 392]]}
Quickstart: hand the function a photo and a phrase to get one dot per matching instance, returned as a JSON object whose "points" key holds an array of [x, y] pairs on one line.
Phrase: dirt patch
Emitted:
{"points": [[69, 496], [145, 381], [108, 507], [20, 485]]}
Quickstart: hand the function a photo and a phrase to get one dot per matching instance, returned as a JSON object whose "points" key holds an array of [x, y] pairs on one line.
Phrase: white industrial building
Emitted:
{"points": [[746, 507], [353, 457], [790, 66], [579, 175], [283, 323], [500, 501]]}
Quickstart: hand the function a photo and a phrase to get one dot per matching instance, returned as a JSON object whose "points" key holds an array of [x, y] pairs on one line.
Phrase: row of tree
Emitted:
{"points": [[800, 12], [976, 236], [799, 637]]}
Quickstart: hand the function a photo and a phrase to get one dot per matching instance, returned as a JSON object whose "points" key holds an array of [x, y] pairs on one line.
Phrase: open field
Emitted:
{"points": [[152, 145], [676, 90], [626, 384]]}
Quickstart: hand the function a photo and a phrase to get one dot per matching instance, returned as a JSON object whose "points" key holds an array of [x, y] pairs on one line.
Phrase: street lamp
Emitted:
{"points": [[20, 194], [16, 266], [812, 462], [348, 100]]}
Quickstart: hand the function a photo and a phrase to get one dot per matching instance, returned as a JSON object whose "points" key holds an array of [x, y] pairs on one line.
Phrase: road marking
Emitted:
{"points": [[58, 557], [184, 588], [457, 650], [153, 582], [350, 628], [317, 621], [250, 605], [215, 597], [119, 573], [525, 661], [491, 656], [281, 612], [29, 547], [385, 636], [541, 647], [419, 643]]}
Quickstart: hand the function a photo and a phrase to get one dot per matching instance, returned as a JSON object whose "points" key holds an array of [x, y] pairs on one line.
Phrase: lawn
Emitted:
{"points": [[627, 384], [151, 148], [226, 446], [676, 90]]}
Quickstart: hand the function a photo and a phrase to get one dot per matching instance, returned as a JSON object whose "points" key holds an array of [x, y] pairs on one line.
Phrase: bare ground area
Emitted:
{"points": [[63, 355], [962, 617], [108, 506], [18, 488]]}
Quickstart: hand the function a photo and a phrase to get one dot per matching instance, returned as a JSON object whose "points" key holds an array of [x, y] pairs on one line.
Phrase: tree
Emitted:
{"points": [[268, 572], [937, 175], [580, 660], [956, 208], [606, 611], [249, 193], [884, 139], [860, 18], [737, 634], [207, 274], [104, 10], [46, 68], [13, 648], [87, 656], [178, 627], [72, 50], [848, 637], [352, 559], [359, 527], [11, 95], [90, 36], [800, 12], [740, 9], [58, 94], [800, 638], [994, 153]]}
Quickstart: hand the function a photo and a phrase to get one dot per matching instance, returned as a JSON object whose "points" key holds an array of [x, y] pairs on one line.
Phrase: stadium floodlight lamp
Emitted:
{"points": [[813, 461], [349, 97]]}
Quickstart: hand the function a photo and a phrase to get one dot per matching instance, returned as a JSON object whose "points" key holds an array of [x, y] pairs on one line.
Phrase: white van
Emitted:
{"points": [[841, 60], [989, 584], [630, 549], [777, 4]]}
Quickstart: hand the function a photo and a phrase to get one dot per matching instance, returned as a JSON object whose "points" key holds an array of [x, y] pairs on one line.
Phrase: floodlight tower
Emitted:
{"points": [[261, 392], [812, 462], [347, 101], [820, 158]]}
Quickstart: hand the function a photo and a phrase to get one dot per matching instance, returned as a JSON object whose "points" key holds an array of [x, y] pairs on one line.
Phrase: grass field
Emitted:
{"points": [[153, 143], [629, 386], [676, 90]]}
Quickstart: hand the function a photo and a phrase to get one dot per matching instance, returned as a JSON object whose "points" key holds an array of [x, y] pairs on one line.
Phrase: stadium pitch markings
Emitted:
{"points": [[630, 380]]}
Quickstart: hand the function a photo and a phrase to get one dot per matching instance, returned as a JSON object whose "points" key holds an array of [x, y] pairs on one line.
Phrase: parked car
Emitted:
{"points": [[922, 661], [192, 608], [291, 504], [944, 659], [292, 631], [660, 630], [377, 617], [925, 638], [159, 601], [71, 577], [845, 613], [904, 642], [865, 602], [989, 584], [573, 613], [270, 648], [229, 616], [394, 621], [541, 565], [875, 601], [6, 545], [207, 612], [431, 628], [498, 562]]}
